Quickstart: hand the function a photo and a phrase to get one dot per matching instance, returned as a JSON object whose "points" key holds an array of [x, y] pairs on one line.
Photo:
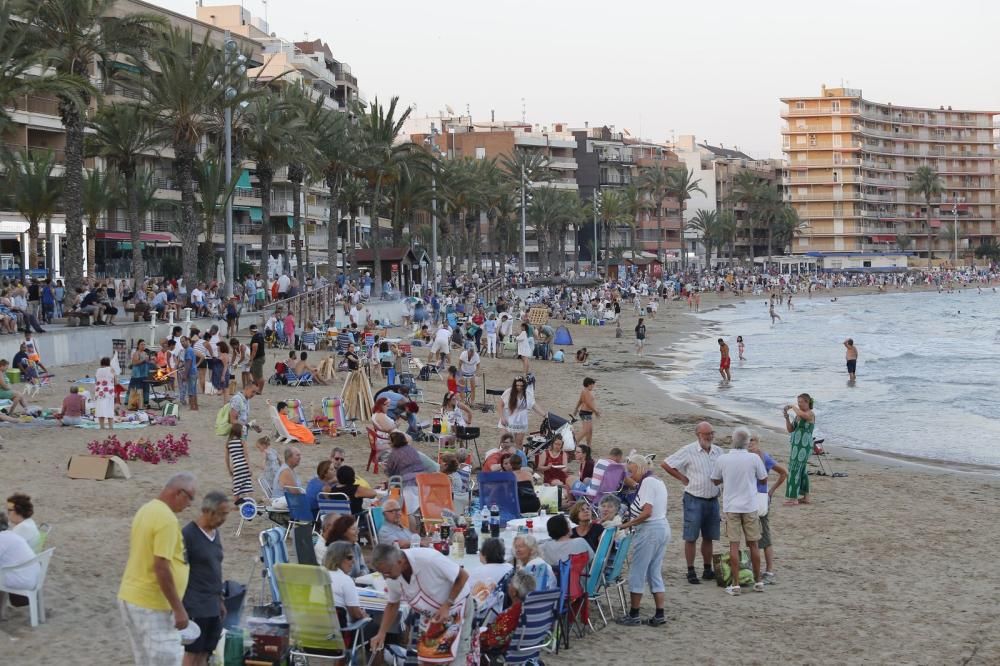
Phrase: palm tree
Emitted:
{"points": [[612, 214], [214, 192], [180, 96], [34, 194], [746, 191], [460, 193], [337, 141], [706, 222], [727, 232], [269, 138], [681, 184], [903, 241], [73, 34], [305, 159], [787, 225], [353, 195], [379, 128], [122, 133], [655, 182], [100, 194], [928, 184]]}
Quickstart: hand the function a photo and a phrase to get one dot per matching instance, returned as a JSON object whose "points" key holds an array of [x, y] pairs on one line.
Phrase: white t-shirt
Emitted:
{"points": [[739, 470], [431, 579], [197, 295], [488, 573], [28, 531], [283, 283], [469, 365], [652, 491], [15, 550], [345, 592]]}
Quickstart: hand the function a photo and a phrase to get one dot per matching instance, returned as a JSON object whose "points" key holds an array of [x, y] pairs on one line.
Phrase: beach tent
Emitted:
{"points": [[562, 336]]}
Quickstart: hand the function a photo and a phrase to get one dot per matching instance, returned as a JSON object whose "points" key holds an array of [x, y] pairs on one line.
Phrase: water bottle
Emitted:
{"points": [[494, 521], [484, 516]]}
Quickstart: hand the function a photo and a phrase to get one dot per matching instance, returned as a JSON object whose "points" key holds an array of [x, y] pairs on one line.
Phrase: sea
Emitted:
{"points": [[927, 380]]}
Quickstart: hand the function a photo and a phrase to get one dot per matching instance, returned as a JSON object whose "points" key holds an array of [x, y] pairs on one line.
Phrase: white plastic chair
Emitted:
{"points": [[36, 604]]}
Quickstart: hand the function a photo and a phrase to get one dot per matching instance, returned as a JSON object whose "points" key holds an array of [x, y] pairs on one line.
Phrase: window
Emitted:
{"points": [[835, 106], [812, 139], [800, 140], [800, 105], [480, 153], [836, 141], [800, 124]]}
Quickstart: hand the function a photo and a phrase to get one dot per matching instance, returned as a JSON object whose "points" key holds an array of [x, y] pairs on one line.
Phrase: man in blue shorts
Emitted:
{"points": [[693, 466]]}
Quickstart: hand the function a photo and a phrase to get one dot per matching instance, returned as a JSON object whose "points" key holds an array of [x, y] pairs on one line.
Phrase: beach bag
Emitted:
{"points": [[171, 409], [763, 502], [724, 573], [222, 421]]}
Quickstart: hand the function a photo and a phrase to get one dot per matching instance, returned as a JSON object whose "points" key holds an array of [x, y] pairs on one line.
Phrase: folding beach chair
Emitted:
{"points": [[435, 496], [299, 511], [500, 488], [293, 379], [300, 413], [615, 576], [607, 480], [596, 581], [272, 552], [534, 628], [282, 436], [308, 604], [338, 503]]}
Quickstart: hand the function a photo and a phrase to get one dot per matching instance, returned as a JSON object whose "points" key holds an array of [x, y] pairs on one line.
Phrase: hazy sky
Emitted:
{"points": [[657, 68]]}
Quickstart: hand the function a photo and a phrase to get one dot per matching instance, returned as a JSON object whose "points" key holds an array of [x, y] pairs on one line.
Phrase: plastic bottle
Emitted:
{"points": [[494, 521], [471, 541], [484, 516]]}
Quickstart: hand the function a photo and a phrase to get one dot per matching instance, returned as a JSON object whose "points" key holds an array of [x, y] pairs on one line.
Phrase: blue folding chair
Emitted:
{"points": [[500, 488], [333, 503], [272, 551], [534, 629], [596, 580], [299, 511], [614, 577]]}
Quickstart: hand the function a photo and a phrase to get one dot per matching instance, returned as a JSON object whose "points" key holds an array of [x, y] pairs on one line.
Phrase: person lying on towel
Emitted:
{"points": [[296, 430]]}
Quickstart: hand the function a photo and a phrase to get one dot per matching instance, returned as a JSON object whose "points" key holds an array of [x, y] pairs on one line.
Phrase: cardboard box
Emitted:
{"points": [[97, 467]]}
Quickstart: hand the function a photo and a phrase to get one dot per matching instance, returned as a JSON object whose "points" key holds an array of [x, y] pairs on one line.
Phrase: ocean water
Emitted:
{"points": [[928, 371]]}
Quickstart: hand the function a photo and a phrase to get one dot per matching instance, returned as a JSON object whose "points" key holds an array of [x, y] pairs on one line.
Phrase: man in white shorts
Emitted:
{"points": [[468, 362], [441, 345]]}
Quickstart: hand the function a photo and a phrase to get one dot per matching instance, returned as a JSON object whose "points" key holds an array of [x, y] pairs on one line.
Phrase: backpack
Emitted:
{"points": [[425, 373], [222, 421]]}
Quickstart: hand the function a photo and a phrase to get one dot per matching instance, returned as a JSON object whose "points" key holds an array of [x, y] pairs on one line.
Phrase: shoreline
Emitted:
{"points": [[679, 364]]}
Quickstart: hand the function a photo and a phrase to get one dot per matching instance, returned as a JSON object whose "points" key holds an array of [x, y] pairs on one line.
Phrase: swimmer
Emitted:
{"points": [[724, 361], [774, 315], [740, 346], [852, 358]]}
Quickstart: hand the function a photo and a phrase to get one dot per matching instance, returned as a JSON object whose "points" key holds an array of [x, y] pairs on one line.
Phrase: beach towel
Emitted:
{"points": [[124, 425], [297, 430]]}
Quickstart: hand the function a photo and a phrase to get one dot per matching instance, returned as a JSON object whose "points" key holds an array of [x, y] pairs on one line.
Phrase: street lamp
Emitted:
{"points": [[432, 142], [955, 200], [234, 64], [597, 208]]}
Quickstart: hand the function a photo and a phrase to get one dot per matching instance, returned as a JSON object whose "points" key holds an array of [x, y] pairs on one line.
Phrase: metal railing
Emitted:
{"points": [[313, 305]]}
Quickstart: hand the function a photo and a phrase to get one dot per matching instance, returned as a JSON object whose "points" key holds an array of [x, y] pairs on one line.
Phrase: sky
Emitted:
{"points": [[656, 69]]}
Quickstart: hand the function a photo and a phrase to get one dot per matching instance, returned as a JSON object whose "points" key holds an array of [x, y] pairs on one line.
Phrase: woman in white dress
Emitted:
{"points": [[104, 393], [524, 347], [514, 406]]}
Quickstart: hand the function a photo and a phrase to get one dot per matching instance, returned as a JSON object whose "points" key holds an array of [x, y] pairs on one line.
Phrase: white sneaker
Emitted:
{"points": [[769, 578], [758, 586], [733, 590]]}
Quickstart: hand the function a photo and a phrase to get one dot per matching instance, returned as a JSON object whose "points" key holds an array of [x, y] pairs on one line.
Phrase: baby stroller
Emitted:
{"points": [[552, 425], [280, 374]]}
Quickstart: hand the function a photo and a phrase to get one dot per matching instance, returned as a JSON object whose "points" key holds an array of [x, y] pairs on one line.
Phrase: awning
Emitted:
{"points": [[256, 214], [125, 236]]}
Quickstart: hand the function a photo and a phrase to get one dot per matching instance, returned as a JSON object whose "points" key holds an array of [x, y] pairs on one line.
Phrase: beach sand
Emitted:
{"points": [[888, 566]]}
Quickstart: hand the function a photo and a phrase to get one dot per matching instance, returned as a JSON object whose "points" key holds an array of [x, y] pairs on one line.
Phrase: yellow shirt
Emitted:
{"points": [[156, 532], [358, 481]]}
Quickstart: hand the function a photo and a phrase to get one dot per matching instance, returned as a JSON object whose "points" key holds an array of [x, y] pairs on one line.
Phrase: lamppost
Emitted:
{"points": [[955, 200], [524, 224], [234, 63], [597, 208], [435, 151]]}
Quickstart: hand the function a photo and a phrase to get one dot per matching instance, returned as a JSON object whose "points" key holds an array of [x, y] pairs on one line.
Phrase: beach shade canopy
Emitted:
{"points": [[562, 337]]}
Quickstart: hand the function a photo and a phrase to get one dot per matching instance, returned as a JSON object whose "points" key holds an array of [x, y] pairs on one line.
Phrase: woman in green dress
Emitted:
{"points": [[801, 428]]}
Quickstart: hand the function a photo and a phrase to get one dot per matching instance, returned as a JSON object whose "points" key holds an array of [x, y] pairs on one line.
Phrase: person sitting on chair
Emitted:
{"points": [[296, 430], [306, 372], [7, 393]]}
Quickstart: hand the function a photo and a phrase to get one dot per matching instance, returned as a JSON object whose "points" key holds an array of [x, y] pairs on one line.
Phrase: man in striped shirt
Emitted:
{"points": [[693, 466]]}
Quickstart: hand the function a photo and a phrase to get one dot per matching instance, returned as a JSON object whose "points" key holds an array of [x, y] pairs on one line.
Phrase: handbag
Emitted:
{"points": [[763, 501]]}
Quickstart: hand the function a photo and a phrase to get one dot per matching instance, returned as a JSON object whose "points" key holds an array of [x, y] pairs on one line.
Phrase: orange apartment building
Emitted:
{"points": [[849, 165]]}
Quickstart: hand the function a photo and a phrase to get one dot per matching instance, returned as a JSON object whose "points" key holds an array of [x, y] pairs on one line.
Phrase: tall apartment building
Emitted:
{"points": [[850, 162], [460, 136], [37, 127], [716, 169]]}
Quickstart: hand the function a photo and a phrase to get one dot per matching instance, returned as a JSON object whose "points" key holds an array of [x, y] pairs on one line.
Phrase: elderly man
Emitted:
{"points": [[287, 477], [393, 532], [239, 407], [203, 599], [156, 576], [739, 471], [692, 465], [337, 457], [434, 586]]}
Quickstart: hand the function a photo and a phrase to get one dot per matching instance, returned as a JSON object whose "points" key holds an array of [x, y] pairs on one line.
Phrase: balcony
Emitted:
{"points": [[562, 163], [48, 106], [615, 180], [623, 157], [843, 110], [909, 119], [792, 164]]}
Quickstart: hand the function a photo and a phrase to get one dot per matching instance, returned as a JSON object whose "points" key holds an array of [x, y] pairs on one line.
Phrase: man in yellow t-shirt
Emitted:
{"points": [[156, 576]]}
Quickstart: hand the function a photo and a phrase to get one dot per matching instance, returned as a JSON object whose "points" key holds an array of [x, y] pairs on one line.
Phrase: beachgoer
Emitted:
{"points": [[774, 315], [852, 358], [648, 517], [724, 361], [692, 465], [640, 336], [740, 346], [765, 520], [203, 598], [238, 463], [801, 429], [156, 576], [740, 471]]}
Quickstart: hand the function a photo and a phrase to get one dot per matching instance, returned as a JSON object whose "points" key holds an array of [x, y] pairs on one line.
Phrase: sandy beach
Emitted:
{"points": [[888, 566]]}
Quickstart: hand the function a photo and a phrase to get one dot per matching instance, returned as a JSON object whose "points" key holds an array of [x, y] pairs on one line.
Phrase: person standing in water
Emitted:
{"points": [[640, 336], [740, 347], [774, 315], [852, 358], [724, 361]]}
